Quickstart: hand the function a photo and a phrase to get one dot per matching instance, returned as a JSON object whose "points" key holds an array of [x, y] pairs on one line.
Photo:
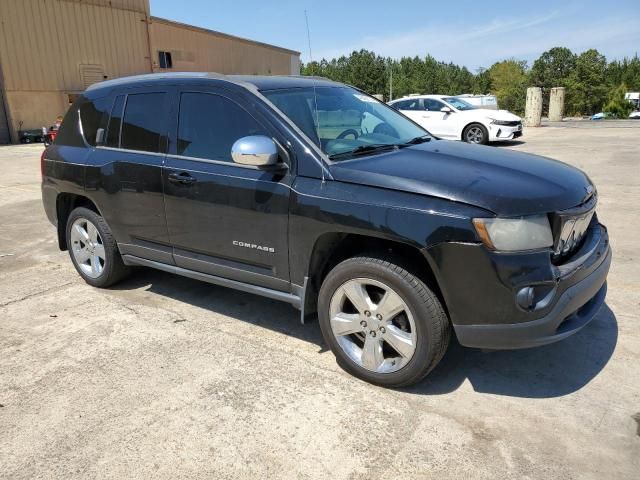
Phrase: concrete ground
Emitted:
{"points": [[597, 124], [166, 377]]}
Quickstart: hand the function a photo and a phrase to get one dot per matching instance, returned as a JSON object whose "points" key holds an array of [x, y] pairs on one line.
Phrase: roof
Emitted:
{"points": [[410, 97], [275, 82], [220, 34], [260, 82]]}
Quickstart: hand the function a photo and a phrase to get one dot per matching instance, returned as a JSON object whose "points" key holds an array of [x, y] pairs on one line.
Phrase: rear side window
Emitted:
{"points": [[408, 104], [143, 125], [433, 105], [92, 115], [209, 125], [115, 120]]}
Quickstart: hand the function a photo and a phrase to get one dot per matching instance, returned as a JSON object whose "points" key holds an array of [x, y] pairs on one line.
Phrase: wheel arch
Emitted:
{"points": [[65, 204], [334, 247]]}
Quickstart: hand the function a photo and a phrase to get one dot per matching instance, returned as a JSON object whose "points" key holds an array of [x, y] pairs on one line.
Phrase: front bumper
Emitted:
{"points": [[501, 132], [576, 307], [482, 303]]}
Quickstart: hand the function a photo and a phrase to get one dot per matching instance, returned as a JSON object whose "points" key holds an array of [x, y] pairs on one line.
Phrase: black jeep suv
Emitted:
{"points": [[314, 193]]}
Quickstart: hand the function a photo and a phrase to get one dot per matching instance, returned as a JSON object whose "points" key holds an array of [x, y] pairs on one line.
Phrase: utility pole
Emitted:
{"points": [[390, 80]]}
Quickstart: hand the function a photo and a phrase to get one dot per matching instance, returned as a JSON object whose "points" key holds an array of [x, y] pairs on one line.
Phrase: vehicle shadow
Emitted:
{"points": [[264, 312], [544, 372], [507, 143]]}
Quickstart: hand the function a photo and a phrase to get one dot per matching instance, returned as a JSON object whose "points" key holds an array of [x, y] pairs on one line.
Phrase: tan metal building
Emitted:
{"points": [[51, 50]]}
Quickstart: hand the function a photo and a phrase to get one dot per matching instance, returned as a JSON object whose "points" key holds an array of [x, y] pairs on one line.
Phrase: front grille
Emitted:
{"points": [[512, 123], [569, 228]]}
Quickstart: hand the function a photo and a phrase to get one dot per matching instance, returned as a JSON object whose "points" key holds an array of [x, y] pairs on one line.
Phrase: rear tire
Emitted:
{"points": [[475, 133], [393, 332], [93, 250]]}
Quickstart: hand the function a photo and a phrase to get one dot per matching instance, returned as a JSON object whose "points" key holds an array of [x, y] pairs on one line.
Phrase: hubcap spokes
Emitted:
{"points": [[475, 135], [87, 247], [373, 325]]}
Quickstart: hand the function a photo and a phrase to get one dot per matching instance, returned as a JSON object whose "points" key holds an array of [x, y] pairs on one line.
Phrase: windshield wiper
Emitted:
{"points": [[417, 140], [364, 149], [379, 147]]}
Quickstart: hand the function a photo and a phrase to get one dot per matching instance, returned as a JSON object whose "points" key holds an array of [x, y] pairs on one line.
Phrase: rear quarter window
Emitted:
{"points": [[93, 115], [69, 133]]}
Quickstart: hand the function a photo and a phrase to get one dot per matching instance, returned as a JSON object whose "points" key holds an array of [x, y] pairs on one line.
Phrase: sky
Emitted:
{"points": [[470, 33]]}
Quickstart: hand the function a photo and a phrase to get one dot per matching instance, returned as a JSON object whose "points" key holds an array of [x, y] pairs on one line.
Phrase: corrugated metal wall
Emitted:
{"points": [[133, 5], [44, 42], [49, 48], [196, 49]]}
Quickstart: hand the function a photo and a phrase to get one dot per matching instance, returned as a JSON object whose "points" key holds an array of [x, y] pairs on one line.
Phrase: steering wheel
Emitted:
{"points": [[349, 131], [386, 129]]}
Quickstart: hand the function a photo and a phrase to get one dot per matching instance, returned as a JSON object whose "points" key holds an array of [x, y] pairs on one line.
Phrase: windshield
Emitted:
{"points": [[458, 103], [342, 120]]}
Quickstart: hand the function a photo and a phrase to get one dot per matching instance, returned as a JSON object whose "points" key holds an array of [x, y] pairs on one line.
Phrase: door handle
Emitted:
{"points": [[182, 178]]}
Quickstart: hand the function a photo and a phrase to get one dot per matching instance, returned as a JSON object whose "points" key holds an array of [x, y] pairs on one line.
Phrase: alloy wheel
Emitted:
{"points": [[373, 325], [87, 248], [475, 135]]}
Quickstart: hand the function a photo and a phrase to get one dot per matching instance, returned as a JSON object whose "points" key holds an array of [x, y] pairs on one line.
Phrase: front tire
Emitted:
{"points": [[475, 133], [93, 250], [383, 324]]}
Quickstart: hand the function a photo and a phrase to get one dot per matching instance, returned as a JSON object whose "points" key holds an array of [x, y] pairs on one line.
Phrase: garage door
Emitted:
{"points": [[4, 126]]}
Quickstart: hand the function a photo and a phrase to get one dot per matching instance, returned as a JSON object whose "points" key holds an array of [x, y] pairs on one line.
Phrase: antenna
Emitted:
{"points": [[315, 96], [306, 19], [391, 80]]}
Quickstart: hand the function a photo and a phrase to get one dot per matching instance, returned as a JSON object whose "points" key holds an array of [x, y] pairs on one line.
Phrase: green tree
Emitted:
{"points": [[618, 106], [588, 78], [625, 71], [509, 84], [553, 68], [311, 69], [481, 82], [586, 87]]}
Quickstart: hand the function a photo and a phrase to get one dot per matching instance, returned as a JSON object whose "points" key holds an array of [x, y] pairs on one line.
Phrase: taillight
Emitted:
{"points": [[44, 152]]}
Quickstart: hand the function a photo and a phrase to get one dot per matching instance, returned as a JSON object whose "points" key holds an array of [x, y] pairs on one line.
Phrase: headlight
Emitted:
{"points": [[513, 234], [500, 122]]}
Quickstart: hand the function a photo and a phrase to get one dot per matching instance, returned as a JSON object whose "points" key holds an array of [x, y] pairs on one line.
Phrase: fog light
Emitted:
{"points": [[525, 297]]}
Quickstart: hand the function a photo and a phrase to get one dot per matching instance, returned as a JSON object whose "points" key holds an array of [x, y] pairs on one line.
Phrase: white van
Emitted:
{"points": [[489, 102]]}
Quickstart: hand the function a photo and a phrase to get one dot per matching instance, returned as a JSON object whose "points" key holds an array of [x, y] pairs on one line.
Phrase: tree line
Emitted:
{"points": [[592, 83]]}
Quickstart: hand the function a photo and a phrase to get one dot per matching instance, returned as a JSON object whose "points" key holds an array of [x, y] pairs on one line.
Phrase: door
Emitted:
{"points": [[224, 219], [439, 122], [413, 109], [124, 173]]}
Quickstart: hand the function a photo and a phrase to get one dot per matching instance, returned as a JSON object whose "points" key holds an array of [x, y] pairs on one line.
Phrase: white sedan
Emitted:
{"points": [[454, 119]]}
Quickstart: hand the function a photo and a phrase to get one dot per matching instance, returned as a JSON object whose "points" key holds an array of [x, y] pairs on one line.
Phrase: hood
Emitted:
{"points": [[502, 181], [495, 114]]}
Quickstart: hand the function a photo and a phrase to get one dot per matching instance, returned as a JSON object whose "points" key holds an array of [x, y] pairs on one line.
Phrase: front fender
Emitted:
{"points": [[319, 208]]}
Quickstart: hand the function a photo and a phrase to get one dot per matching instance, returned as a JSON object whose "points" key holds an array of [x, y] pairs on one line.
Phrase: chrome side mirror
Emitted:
{"points": [[256, 150]]}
